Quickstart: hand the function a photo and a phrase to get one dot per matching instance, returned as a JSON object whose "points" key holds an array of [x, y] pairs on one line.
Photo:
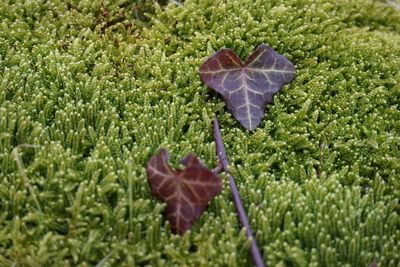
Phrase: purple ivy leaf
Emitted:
{"points": [[186, 192], [247, 87]]}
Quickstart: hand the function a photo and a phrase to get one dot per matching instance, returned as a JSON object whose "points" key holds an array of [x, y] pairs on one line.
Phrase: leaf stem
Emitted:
{"points": [[223, 161]]}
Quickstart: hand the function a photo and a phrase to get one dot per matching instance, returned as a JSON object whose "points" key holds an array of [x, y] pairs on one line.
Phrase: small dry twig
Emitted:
{"points": [[223, 166]]}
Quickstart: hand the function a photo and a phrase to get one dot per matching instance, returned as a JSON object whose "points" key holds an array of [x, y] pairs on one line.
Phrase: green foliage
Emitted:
{"points": [[86, 98]]}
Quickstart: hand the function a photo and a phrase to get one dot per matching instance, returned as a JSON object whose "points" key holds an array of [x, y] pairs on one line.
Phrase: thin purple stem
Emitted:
{"points": [[255, 252]]}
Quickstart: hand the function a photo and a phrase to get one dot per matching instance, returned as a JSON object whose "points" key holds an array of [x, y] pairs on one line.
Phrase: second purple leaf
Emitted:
{"points": [[247, 87], [185, 191]]}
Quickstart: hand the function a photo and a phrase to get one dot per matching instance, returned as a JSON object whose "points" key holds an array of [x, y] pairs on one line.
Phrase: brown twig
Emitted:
{"points": [[223, 163]]}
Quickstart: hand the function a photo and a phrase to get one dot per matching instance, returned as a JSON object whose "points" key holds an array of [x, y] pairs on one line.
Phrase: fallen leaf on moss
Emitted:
{"points": [[186, 192], [247, 87]]}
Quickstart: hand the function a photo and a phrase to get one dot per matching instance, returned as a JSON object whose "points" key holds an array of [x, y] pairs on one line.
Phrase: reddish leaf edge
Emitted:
{"points": [[223, 166]]}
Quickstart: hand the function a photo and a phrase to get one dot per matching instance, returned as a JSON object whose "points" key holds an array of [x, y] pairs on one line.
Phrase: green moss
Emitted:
{"points": [[95, 95]]}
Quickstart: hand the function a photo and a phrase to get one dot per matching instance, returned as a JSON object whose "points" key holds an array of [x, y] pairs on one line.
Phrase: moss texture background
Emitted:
{"points": [[89, 90]]}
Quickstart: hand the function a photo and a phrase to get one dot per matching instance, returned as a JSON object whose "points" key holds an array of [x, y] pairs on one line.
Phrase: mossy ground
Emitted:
{"points": [[93, 91]]}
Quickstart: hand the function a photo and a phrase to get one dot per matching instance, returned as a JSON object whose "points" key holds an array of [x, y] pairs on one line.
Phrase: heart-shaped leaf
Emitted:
{"points": [[186, 192], [247, 87]]}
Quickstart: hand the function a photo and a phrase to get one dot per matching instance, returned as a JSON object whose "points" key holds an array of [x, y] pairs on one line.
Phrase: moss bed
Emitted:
{"points": [[90, 89]]}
